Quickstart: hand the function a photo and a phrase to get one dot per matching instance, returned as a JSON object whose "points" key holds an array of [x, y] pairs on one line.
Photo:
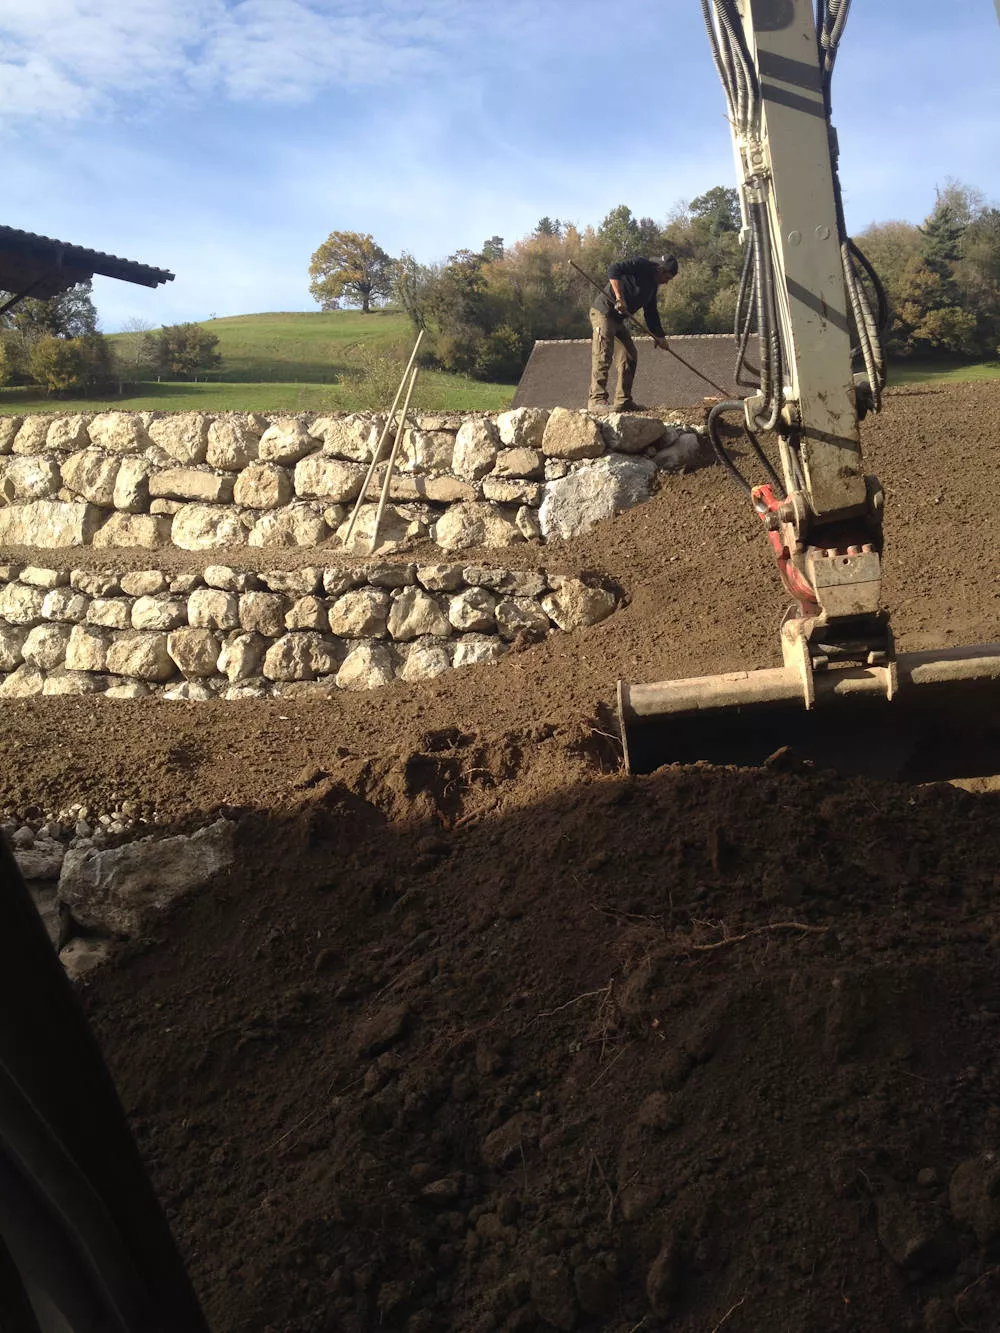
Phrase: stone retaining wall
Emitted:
{"points": [[148, 480], [230, 633]]}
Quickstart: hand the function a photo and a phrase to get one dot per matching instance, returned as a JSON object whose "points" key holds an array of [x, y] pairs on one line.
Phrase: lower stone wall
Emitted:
{"points": [[149, 480], [227, 633]]}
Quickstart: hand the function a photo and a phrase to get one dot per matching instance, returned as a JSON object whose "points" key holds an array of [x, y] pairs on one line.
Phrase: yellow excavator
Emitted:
{"points": [[843, 694]]}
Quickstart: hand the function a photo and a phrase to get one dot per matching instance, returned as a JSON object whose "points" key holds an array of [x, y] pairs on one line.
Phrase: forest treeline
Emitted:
{"points": [[483, 309]]}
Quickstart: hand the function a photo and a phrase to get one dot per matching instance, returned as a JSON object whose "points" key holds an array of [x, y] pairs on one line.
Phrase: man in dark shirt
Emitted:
{"points": [[633, 284]]}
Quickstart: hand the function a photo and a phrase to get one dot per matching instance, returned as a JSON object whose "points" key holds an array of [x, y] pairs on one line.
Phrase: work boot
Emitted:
{"points": [[630, 405], [598, 406]]}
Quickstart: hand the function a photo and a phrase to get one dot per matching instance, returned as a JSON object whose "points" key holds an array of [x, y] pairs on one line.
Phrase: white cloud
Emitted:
{"points": [[66, 59]]}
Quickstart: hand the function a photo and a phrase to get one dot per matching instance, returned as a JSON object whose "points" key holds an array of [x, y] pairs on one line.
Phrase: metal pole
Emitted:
{"points": [[392, 461], [385, 435], [645, 333]]}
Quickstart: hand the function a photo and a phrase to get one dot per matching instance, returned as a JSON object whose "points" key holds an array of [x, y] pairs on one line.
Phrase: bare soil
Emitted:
{"points": [[480, 1034]]}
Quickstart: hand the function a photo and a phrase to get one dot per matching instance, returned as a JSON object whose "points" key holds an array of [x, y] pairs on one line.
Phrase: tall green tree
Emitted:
{"points": [[351, 265], [186, 349]]}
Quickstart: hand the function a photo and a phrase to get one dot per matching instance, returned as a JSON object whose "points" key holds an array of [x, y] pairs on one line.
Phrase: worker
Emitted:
{"points": [[632, 285]]}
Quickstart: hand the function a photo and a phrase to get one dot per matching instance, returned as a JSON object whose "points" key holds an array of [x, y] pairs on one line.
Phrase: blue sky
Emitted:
{"points": [[224, 140]]}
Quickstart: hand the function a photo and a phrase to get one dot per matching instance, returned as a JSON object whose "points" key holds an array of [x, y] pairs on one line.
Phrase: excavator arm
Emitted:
{"points": [[817, 310]]}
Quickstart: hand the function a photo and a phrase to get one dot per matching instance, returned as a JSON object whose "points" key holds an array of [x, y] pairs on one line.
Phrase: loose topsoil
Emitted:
{"points": [[481, 1034]]}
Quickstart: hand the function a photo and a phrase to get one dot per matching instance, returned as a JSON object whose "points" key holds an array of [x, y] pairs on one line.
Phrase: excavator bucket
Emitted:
{"points": [[939, 721]]}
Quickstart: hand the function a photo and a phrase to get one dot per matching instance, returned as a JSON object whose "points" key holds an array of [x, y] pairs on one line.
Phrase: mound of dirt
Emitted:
{"points": [[480, 1034]]}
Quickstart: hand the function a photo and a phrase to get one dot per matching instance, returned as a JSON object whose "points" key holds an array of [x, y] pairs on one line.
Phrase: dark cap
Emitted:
{"points": [[669, 264]]}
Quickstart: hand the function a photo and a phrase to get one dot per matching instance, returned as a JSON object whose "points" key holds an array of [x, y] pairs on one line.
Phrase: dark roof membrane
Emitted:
{"points": [[48, 267]]}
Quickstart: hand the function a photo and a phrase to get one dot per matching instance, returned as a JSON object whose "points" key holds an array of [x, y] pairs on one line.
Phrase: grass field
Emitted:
{"points": [[339, 361]]}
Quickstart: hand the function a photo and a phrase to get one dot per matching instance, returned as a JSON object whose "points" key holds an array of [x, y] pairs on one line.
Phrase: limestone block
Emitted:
{"points": [[232, 444], [467, 525], [521, 462], [318, 477], [334, 515], [32, 435], [440, 578], [128, 689], [32, 477], [627, 433], [527, 523], [397, 530], [474, 609], [118, 432], [123, 889], [183, 435], [556, 468], [212, 608], [439, 421], [67, 433], [307, 613], [158, 613], [476, 447], [523, 427], [249, 689], [190, 483], [299, 582], [92, 473], [574, 604], [366, 667], [577, 502], [415, 613], [61, 681], [204, 527], [475, 649], [505, 490], [81, 956], [144, 582], [9, 426], [392, 575], [263, 486], [338, 581], [521, 616], [141, 655], [165, 506], [111, 612], [132, 485], [441, 489], [427, 451], [21, 605], [191, 691], [196, 651], [353, 437], [230, 580], [45, 646], [361, 614], [12, 639], [571, 434], [285, 441], [87, 649], [242, 655], [184, 584], [94, 582], [145, 531], [65, 604], [42, 861], [519, 582], [263, 613], [300, 656], [425, 661], [295, 525], [23, 683], [686, 450], [40, 577]]}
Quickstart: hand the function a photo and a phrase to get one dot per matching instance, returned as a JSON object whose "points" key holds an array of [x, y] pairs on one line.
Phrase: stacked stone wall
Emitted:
{"points": [[197, 482], [233, 633]]}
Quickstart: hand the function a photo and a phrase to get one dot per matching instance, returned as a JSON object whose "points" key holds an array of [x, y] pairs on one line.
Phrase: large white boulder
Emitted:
{"points": [[141, 655], [183, 435], [574, 604], [467, 525], [319, 477], [263, 486], [523, 427], [575, 503], [121, 889], [366, 667], [571, 435], [353, 437], [360, 614], [286, 441], [232, 444], [475, 451], [92, 474], [204, 527], [415, 613], [118, 432], [293, 525]]}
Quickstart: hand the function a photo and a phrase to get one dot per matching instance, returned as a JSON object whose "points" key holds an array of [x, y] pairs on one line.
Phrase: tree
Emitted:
{"points": [[493, 249], [57, 364], [135, 348], [718, 208], [620, 234], [351, 265], [186, 349], [548, 227]]}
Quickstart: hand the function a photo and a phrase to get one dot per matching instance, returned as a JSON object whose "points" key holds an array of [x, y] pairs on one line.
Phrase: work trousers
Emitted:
{"points": [[611, 339]]}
